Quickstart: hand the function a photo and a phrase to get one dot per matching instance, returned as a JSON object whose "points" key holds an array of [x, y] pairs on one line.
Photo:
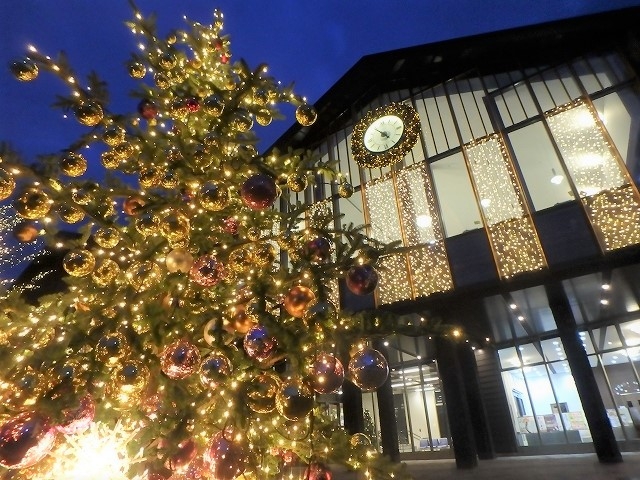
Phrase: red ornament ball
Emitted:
{"points": [[207, 271], [25, 232], [362, 279], [317, 471], [77, 420], [25, 440], [193, 104], [259, 191], [318, 250], [225, 458], [231, 225], [147, 109]]}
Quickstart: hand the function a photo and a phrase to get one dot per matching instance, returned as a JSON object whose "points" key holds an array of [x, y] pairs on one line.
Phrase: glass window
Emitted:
{"points": [[531, 353], [540, 166], [351, 208], [587, 77], [542, 93], [509, 358], [606, 338], [457, 201], [553, 350]]}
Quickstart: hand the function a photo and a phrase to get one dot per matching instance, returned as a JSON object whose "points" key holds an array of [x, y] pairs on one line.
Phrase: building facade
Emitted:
{"points": [[519, 211]]}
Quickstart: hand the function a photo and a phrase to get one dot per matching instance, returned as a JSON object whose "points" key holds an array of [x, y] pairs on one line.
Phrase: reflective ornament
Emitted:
{"points": [[260, 97], [214, 197], [128, 385], [207, 271], [132, 205], [326, 372], [78, 419], [136, 69], [215, 369], [261, 392], [179, 109], [211, 331], [175, 226], [25, 386], [296, 183], [211, 139], [294, 399], [254, 234], [368, 369], [143, 275], [239, 320], [7, 184], [24, 70], [150, 178], [259, 344], [105, 273], [362, 279], [317, 250], [162, 80], [231, 225], [167, 60], [359, 440], [224, 457], [306, 115], [297, 300], [264, 117], [79, 263], [69, 213], [147, 224], [321, 311], [213, 105], [32, 204], [25, 440], [106, 237], [259, 191], [147, 109], [85, 194], [25, 232], [241, 259], [111, 348], [317, 471], [286, 241], [193, 104], [109, 160], [73, 164], [241, 120], [88, 113], [114, 135], [264, 254], [179, 359], [345, 190], [123, 151], [179, 260]]}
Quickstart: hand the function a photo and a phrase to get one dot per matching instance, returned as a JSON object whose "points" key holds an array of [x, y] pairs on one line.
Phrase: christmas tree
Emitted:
{"points": [[199, 319]]}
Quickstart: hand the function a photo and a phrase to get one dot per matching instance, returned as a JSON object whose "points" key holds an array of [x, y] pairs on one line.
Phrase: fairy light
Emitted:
{"points": [[612, 204], [511, 231]]}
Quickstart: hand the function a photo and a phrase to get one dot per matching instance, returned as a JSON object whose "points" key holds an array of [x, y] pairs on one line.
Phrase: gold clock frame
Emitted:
{"points": [[368, 159]]}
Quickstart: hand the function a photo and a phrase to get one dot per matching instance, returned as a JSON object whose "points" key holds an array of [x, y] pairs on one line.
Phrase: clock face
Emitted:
{"points": [[384, 133]]}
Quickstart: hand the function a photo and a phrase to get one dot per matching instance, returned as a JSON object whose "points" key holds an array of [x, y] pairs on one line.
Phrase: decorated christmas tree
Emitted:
{"points": [[199, 320]]}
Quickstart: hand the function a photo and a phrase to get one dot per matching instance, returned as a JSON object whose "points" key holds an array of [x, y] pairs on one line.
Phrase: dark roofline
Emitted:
{"points": [[431, 64]]}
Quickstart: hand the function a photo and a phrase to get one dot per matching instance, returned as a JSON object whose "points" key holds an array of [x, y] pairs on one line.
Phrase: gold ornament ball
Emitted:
{"points": [[162, 80], [264, 117], [179, 109], [240, 260], [106, 237], [25, 232], [32, 204], [73, 164], [84, 195], [294, 399], [150, 178], [214, 197], [261, 392], [143, 275], [109, 160], [88, 113], [170, 180], [123, 150], [167, 60], [147, 224], [241, 121], [111, 347], [297, 300], [345, 190], [260, 96], [24, 70], [213, 105], [359, 439], [105, 273], [70, 214], [79, 263], [175, 226], [137, 69], [113, 135], [264, 254], [7, 184], [296, 183], [306, 115], [129, 384], [179, 260], [239, 320]]}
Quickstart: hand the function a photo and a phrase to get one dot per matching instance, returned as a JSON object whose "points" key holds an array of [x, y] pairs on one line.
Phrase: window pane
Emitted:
{"points": [[455, 194], [626, 391], [530, 353], [545, 406], [553, 350], [568, 403], [508, 358], [540, 166], [524, 420], [606, 338]]}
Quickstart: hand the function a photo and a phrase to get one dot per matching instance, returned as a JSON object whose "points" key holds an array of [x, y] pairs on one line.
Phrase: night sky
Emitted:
{"points": [[311, 43]]}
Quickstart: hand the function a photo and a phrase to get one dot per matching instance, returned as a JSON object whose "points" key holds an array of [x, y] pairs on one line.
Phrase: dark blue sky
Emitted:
{"points": [[311, 43]]}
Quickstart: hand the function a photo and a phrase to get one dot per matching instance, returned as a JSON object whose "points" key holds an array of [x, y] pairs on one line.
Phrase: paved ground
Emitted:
{"points": [[547, 467]]}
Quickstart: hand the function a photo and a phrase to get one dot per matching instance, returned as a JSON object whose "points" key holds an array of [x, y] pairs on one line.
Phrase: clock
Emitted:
{"points": [[385, 135]]}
